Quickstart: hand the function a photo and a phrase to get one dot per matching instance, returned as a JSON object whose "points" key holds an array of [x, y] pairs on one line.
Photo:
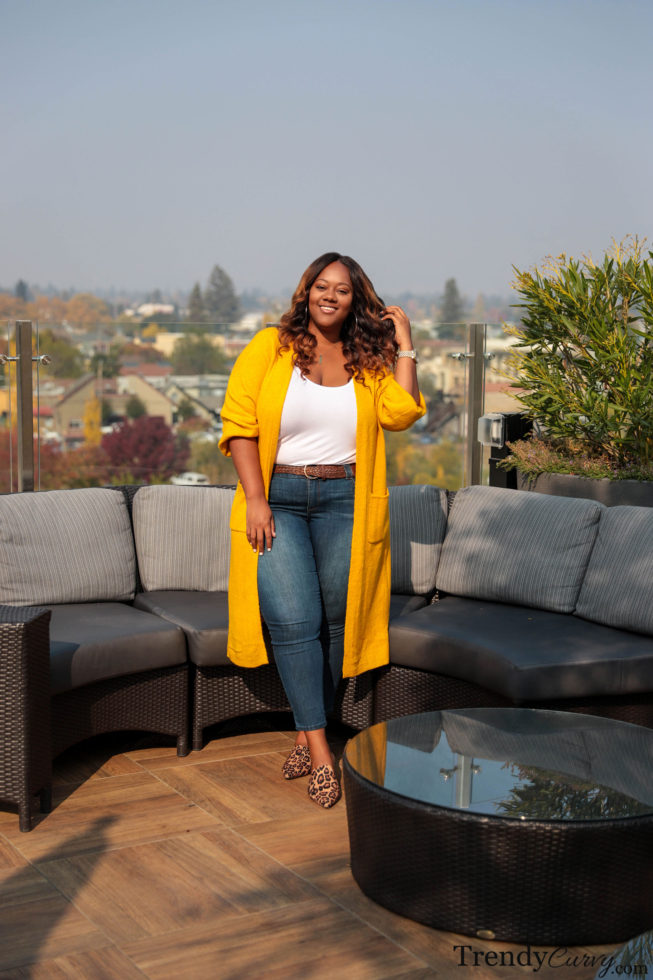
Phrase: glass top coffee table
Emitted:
{"points": [[506, 823]]}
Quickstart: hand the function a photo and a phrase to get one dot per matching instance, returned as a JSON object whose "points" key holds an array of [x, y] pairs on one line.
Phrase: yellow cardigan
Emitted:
{"points": [[252, 408]]}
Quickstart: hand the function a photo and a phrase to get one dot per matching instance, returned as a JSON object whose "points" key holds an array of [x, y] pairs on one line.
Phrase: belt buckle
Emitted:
{"points": [[308, 475]]}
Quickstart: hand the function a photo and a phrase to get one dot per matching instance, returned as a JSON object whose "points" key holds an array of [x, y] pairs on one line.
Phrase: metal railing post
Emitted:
{"points": [[24, 405], [475, 400]]}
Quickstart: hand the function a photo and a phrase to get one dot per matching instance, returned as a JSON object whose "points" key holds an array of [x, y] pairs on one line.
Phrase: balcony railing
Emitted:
{"points": [[53, 429]]}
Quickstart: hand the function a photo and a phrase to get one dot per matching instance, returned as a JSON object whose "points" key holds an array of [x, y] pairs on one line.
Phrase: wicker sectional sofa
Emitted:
{"points": [[541, 601], [113, 616]]}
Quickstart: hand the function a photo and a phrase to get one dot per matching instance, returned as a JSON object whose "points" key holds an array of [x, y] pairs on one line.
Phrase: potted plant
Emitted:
{"points": [[582, 367]]}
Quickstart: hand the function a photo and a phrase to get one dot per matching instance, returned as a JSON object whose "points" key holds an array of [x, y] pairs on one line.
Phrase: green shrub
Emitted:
{"points": [[582, 364]]}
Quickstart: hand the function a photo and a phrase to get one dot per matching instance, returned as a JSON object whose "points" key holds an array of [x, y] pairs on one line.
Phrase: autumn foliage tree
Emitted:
{"points": [[196, 354], [67, 361], [66, 469], [145, 449], [87, 310], [60, 469]]}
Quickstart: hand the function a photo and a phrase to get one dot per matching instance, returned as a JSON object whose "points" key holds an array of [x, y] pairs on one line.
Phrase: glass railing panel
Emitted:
{"points": [[8, 430], [141, 402], [433, 450], [499, 395]]}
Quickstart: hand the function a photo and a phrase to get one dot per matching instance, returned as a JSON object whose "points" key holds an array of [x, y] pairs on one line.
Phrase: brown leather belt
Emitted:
{"points": [[315, 472]]}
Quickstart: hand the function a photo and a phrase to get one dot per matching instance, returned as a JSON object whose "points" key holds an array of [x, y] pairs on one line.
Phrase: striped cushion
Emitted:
{"points": [[515, 546], [618, 586], [418, 521], [182, 537], [65, 546]]}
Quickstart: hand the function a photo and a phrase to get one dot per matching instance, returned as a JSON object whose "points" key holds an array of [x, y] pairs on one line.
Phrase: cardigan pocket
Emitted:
{"points": [[378, 517], [238, 516]]}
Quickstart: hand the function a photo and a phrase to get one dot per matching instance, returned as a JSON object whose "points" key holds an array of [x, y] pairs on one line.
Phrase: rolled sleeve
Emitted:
{"points": [[396, 408], [238, 420]]}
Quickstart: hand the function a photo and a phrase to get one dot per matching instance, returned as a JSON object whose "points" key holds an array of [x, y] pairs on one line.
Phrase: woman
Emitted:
{"points": [[310, 549]]}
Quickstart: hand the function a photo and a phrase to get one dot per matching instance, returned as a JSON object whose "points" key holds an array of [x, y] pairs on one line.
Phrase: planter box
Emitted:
{"points": [[637, 493]]}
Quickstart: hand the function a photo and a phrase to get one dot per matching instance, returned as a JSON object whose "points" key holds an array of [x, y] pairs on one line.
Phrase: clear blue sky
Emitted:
{"points": [[146, 140]]}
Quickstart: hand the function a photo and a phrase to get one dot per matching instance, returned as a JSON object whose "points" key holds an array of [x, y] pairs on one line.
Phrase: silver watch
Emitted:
{"points": [[407, 353]]}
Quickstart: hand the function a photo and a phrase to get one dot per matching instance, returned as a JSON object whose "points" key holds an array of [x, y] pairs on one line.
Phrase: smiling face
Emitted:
{"points": [[330, 298]]}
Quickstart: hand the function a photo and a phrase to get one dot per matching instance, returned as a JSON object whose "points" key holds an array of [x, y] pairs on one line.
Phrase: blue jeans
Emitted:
{"points": [[302, 587]]}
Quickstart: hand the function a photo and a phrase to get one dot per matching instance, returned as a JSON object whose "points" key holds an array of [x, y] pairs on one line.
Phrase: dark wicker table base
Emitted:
{"points": [[555, 884]]}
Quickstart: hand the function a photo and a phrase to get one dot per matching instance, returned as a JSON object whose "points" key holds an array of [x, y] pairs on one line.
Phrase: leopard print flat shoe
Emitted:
{"points": [[298, 763], [323, 787]]}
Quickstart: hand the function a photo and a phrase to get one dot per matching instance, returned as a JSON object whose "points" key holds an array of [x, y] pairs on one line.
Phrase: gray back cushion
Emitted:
{"points": [[182, 537], [515, 546], [618, 585], [65, 546], [418, 521]]}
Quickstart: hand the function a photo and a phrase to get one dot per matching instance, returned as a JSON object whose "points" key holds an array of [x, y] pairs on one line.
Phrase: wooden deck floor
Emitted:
{"points": [[210, 867]]}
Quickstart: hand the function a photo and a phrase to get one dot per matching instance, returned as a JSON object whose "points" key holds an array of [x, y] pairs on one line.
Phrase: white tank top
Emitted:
{"points": [[318, 424]]}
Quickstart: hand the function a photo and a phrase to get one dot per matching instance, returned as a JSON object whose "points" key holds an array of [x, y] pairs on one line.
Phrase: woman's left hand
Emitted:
{"points": [[402, 326]]}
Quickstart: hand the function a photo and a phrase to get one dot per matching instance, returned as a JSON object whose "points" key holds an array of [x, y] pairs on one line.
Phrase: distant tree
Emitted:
{"points": [[451, 313], [186, 410], [48, 309], [21, 291], [220, 300], [67, 361], [11, 306], [195, 354], [107, 412], [196, 312], [135, 407], [159, 318], [109, 361], [207, 458], [142, 353], [146, 448], [84, 467], [86, 310], [410, 461]]}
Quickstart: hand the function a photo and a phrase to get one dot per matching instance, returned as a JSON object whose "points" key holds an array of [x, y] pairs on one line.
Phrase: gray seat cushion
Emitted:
{"points": [[519, 547], [95, 641], [203, 616], [618, 586], [524, 654], [182, 537], [65, 546], [401, 604], [418, 522]]}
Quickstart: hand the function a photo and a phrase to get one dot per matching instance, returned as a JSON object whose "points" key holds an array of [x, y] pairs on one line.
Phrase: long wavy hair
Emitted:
{"points": [[368, 341]]}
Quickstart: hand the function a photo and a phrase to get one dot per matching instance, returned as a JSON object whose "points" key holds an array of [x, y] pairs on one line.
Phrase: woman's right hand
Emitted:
{"points": [[259, 524]]}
